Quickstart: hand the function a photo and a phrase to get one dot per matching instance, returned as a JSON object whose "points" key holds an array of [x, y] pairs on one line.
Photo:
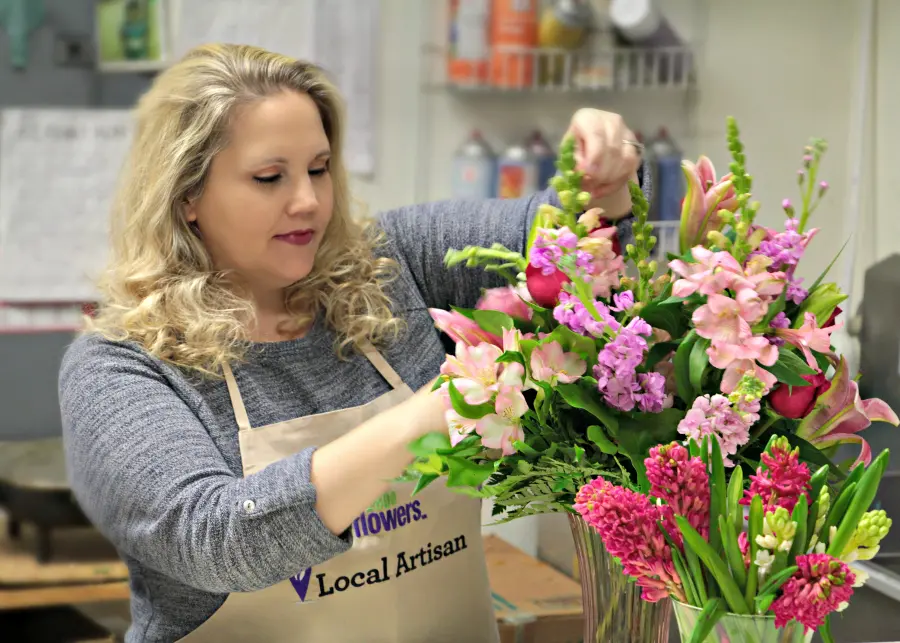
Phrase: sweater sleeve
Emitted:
{"points": [[148, 475], [421, 235]]}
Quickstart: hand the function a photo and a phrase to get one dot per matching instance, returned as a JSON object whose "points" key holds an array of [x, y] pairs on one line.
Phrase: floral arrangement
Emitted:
{"points": [[690, 537], [590, 357]]}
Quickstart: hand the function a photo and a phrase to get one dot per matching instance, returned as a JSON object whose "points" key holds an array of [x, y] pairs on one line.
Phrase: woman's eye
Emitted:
{"points": [[272, 178], [319, 171]]}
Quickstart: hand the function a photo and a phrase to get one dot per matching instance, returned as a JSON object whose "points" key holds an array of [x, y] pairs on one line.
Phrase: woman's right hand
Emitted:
{"points": [[426, 411]]}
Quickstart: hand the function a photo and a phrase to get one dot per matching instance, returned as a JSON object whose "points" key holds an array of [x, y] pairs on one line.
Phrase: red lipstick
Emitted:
{"points": [[296, 237]]}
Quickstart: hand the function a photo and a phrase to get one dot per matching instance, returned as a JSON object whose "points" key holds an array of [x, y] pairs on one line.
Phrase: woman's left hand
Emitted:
{"points": [[605, 153]]}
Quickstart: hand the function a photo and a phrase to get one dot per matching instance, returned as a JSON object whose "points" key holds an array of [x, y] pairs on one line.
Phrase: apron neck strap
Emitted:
{"points": [[374, 357], [237, 402], [381, 365]]}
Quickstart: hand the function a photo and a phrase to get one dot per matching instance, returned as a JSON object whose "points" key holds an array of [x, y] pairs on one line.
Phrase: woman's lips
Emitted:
{"points": [[297, 237]]}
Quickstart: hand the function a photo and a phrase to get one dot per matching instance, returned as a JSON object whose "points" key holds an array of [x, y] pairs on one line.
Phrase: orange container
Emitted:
{"points": [[469, 55], [514, 31]]}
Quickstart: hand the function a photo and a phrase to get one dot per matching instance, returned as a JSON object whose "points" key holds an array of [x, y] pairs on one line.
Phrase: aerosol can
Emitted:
{"points": [[474, 169], [668, 178], [544, 158], [517, 173]]}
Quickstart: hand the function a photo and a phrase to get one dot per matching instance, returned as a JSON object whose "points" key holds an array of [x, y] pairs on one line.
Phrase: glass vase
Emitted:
{"points": [[733, 628], [613, 609]]}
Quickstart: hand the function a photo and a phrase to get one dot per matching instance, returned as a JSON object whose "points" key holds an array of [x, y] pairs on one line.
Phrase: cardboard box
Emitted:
{"points": [[534, 603]]}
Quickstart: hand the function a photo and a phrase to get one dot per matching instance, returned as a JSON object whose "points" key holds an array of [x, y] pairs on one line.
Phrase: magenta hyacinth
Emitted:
{"points": [[818, 588], [627, 523], [681, 482], [781, 479]]}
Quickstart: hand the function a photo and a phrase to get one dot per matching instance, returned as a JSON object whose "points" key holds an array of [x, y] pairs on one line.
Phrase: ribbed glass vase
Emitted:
{"points": [[733, 628], [613, 609]]}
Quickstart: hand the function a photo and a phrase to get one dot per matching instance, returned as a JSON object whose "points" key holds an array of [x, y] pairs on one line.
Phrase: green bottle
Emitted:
{"points": [[135, 32]]}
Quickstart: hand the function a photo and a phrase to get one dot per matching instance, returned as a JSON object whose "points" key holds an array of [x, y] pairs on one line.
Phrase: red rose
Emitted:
{"points": [[616, 246], [837, 311], [796, 402], [544, 289]]}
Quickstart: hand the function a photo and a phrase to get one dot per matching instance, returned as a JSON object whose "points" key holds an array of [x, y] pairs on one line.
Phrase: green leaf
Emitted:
{"points": [[717, 499], [428, 444], [732, 551], [639, 432], [681, 566], [712, 611], [493, 321], [735, 493], [466, 312], [670, 318], [793, 361], [424, 480], [800, 515], [466, 410], [774, 308], [575, 343], [865, 494], [465, 473], [511, 356], [581, 394], [821, 277], [596, 435], [775, 581], [756, 528], [682, 364], [825, 631], [658, 352], [715, 565], [698, 362]]}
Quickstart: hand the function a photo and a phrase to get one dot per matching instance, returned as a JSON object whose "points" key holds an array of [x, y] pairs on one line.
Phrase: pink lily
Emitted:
{"points": [[550, 364], [475, 371], [839, 415], [809, 337], [725, 319], [460, 328], [705, 196]]}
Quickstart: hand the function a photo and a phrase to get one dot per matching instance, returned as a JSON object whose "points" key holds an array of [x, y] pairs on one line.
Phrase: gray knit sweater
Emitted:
{"points": [[153, 454]]}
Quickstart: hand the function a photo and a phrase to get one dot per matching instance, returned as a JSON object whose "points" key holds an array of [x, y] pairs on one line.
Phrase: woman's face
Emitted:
{"points": [[268, 195]]}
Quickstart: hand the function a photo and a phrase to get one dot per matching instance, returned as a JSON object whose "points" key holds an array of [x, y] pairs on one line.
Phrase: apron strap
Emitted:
{"points": [[381, 365], [237, 402]]}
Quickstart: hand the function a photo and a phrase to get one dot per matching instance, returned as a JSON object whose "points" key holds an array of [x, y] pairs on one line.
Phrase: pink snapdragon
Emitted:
{"points": [[550, 364], [781, 479], [714, 416], [728, 320], [505, 300], [820, 586], [627, 523], [712, 272], [682, 483]]}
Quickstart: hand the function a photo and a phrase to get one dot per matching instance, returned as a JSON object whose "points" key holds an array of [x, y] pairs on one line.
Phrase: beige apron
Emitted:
{"points": [[416, 572]]}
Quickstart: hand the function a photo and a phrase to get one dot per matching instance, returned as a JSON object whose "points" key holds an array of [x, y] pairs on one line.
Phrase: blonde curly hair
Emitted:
{"points": [[160, 288]]}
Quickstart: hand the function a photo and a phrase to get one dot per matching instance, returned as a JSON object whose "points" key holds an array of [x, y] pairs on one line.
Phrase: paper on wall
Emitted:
{"points": [[339, 35], [58, 172]]}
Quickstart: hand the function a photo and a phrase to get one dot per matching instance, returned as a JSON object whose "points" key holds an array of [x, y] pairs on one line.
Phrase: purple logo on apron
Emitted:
{"points": [[301, 582]]}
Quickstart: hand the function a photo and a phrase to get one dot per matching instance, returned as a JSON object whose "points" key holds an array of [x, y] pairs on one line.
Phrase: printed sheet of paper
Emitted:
{"points": [[339, 35], [347, 46], [58, 173]]}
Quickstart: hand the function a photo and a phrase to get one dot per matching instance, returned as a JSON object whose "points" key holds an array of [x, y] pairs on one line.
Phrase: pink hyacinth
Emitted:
{"points": [[627, 523], [781, 479], [713, 415], [681, 482], [818, 588]]}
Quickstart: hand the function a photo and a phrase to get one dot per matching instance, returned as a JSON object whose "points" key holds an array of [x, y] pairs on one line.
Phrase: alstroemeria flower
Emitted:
{"points": [[742, 358], [550, 364], [706, 195], [460, 328], [711, 273], [499, 430], [809, 337], [724, 319], [475, 371], [840, 414]]}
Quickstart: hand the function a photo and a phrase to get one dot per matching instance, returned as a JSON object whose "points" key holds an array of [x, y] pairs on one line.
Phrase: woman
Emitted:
{"points": [[235, 415]]}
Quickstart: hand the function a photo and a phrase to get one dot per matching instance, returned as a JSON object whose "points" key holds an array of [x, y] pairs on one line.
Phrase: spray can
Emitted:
{"points": [[544, 158], [668, 179], [469, 55], [516, 172], [474, 169], [513, 43]]}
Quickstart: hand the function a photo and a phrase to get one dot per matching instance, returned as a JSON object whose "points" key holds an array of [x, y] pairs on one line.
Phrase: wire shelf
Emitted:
{"points": [[517, 70], [18, 318]]}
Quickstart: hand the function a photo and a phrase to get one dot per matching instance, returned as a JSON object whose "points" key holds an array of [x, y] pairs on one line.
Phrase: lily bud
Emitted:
{"points": [[822, 302]]}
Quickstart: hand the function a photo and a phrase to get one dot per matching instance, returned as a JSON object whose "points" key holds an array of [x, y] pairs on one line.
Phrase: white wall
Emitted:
{"points": [[786, 69]]}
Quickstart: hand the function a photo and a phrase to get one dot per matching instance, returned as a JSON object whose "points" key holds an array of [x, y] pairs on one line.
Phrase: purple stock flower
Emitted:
{"points": [[622, 301], [795, 292], [572, 313], [622, 386], [785, 249]]}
